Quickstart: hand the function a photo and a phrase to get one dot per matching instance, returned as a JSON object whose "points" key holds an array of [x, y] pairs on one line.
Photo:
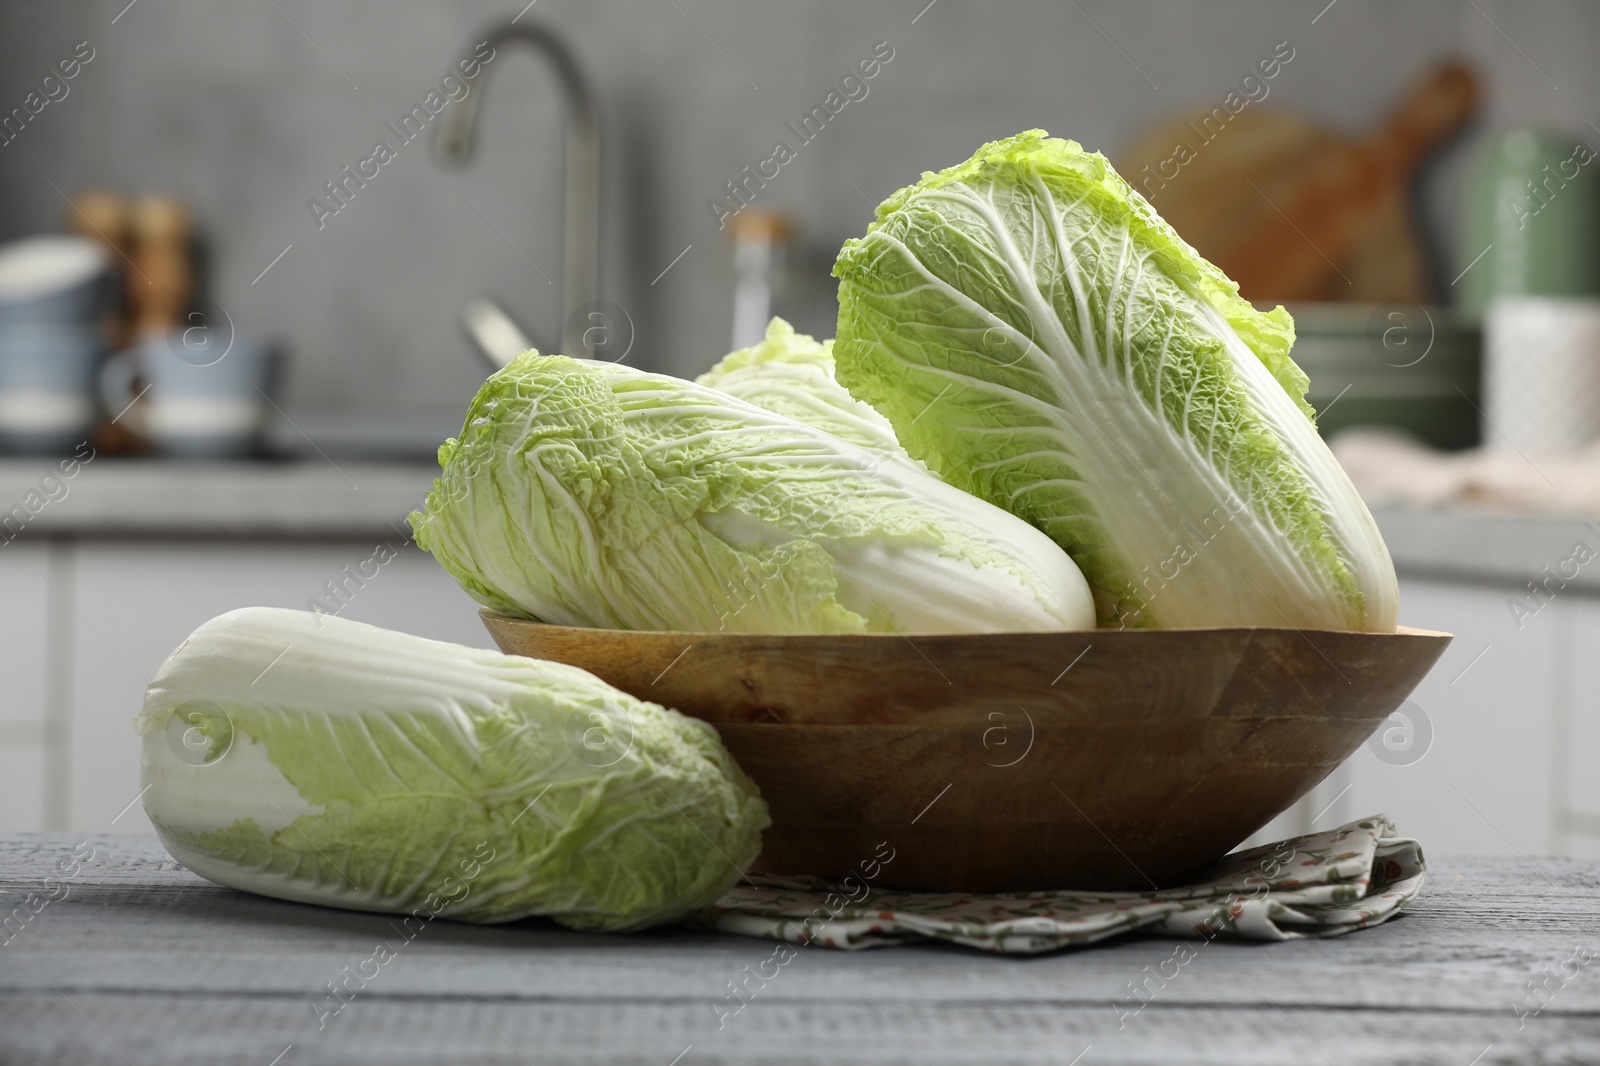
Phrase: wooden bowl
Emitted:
{"points": [[1015, 761]]}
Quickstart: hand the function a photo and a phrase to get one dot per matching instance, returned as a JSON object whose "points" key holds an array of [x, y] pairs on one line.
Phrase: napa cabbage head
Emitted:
{"points": [[1039, 336], [313, 758], [590, 494]]}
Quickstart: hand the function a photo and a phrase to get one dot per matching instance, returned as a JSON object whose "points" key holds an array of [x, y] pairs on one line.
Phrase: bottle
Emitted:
{"points": [[760, 253], [1532, 221]]}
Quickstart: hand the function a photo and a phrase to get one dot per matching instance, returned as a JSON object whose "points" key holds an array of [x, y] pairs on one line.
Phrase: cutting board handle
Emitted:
{"points": [[1437, 106]]}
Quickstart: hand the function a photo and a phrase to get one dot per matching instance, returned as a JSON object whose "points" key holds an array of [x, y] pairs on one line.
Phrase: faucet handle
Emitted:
{"points": [[495, 333]]}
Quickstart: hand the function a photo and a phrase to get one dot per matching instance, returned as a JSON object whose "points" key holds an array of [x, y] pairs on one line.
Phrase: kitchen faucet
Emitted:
{"points": [[490, 327]]}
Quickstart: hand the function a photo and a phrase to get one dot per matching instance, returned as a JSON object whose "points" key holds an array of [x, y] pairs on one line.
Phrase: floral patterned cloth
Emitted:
{"points": [[1322, 884]]}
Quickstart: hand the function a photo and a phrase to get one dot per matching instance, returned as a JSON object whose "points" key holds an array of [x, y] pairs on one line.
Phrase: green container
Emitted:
{"points": [[1532, 221], [1405, 366]]}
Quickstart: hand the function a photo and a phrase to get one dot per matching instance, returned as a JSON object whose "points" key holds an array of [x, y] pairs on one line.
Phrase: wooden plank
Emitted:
{"points": [[213, 1030], [172, 969]]}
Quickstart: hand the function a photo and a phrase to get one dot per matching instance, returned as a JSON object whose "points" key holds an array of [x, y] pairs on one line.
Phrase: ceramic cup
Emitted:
{"points": [[1541, 374], [195, 400], [53, 291]]}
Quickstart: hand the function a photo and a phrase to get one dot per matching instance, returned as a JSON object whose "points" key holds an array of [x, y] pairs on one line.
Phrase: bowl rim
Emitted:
{"points": [[491, 615]]}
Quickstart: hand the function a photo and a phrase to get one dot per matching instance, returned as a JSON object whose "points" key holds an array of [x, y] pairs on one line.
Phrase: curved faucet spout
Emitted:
{"points": [[454, 142]]}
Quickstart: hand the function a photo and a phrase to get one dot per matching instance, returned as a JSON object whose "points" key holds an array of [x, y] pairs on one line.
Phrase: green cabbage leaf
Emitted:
{"points": [[793, 375], [1040, 337]]}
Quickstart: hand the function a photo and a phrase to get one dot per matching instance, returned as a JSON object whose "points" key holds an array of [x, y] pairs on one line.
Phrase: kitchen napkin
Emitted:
{"points": [[1389, 467], [1322, 884]]}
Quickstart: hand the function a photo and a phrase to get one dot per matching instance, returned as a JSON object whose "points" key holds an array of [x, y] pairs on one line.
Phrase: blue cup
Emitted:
{"points": [[54, 279], [203, 397], [47, 376], [53, 292]]}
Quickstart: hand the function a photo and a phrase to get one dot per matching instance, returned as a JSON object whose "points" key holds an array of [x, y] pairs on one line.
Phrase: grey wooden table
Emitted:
{"points": [[134, 960]]}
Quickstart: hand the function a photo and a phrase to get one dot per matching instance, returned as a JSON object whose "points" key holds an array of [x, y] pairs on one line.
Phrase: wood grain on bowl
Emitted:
{"points": [[999, 762]]}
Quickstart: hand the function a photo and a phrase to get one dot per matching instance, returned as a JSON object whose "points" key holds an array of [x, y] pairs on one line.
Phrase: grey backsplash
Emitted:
{"points": [[245, 110]]}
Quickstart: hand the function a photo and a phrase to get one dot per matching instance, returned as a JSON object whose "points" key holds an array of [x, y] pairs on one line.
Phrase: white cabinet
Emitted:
{"points": [[22, 786], [133, 602], [1482, 783], [1504, 733], [26, 622], [25, 592], [1508, 766], [1577, 737]]}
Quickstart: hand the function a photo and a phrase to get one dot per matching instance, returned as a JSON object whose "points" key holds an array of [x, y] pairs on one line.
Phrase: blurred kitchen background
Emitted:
{"points": [[299, 318]]}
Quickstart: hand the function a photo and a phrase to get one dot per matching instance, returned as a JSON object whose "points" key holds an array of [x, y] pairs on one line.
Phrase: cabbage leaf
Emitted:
{"points": [[1040, 337], [793, 375]]}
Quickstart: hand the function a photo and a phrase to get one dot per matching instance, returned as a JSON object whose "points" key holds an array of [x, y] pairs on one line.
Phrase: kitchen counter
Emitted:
{"points": [[141, 961], [310, 498], [1492, 546]]}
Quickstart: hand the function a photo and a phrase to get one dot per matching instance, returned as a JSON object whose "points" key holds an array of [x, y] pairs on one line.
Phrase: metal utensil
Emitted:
{"points": [[498, 337]]}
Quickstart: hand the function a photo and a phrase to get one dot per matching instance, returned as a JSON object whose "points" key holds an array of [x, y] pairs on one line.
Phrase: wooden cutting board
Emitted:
{"points": [[1293, 211]]}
